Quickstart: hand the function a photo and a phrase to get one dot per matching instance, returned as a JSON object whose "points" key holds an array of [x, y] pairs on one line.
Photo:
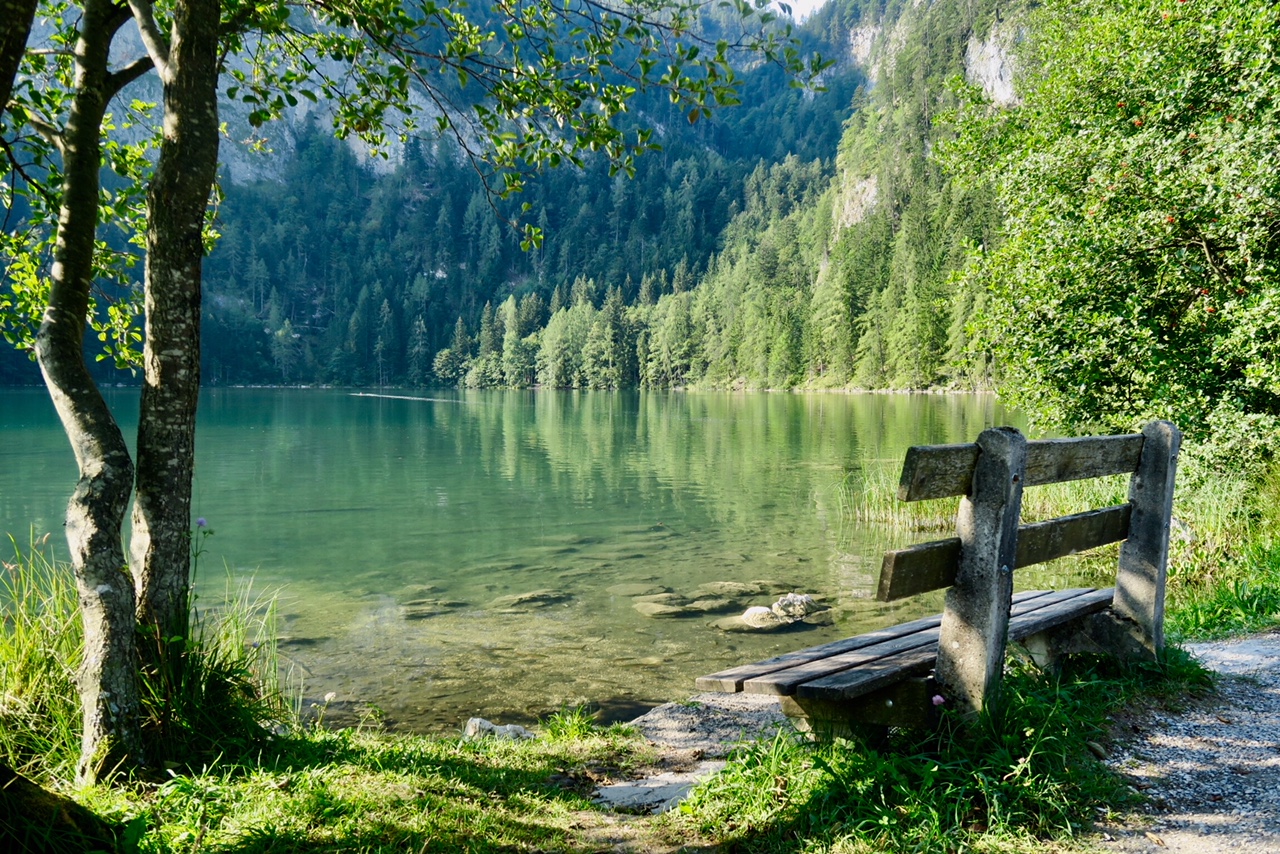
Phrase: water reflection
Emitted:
{"points": [[483, 552]]}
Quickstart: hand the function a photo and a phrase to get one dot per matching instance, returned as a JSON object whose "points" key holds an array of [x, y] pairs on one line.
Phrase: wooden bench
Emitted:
{"points": [[895, 675]]}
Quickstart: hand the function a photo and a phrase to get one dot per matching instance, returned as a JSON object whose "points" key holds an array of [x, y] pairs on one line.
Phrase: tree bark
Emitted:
{"points": [[16, 17], [108, 678], [177, 200]]}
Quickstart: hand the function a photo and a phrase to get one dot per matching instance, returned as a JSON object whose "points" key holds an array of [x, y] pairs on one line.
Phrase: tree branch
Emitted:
{"points": [[51, 134], [117, 80], [152, 38], [12, 157]]}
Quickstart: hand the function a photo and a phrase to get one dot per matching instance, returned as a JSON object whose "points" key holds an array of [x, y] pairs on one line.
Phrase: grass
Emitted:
{"points": [[1020, 776], [40, 648], [367, 791]]}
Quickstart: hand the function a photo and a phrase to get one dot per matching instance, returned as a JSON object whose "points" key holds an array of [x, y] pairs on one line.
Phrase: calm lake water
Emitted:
{"points": [[402, 531]]}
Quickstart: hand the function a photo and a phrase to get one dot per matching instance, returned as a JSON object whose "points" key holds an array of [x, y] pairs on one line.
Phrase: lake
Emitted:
{"points": [[446, 554]]}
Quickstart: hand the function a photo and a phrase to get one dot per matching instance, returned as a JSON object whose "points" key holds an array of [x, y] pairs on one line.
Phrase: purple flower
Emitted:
{"points": [[938, 699], [200, 523]]}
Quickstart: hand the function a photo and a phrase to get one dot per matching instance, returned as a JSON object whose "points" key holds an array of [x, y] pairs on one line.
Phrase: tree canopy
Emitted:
{"points": [[1139, 181]]}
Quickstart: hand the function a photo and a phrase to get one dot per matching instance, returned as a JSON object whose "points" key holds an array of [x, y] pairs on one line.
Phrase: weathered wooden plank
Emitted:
{"points": [[731, 680], [1144, 556], [975, 621], [918, 569], [783, 681], [943, 471], [1059, 613], [1058, 608], [937, 471], [1060, 460], [870, 677], [933, 566], [1067, 535], [902, 704]]}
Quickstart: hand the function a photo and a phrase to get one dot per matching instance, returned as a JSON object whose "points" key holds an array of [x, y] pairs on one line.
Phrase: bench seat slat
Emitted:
{"points": [[932, 566], [944, 471], [783, 681], [731, 681], [866, 678]]}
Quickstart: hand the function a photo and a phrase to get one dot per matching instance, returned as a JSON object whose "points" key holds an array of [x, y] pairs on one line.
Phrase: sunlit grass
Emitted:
{"points": [[1017, 778], [40, 648]]}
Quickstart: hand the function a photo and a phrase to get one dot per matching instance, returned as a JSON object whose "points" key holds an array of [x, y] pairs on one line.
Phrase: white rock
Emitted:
{"points": [[794, 606], [759, 617], [479, 728]]}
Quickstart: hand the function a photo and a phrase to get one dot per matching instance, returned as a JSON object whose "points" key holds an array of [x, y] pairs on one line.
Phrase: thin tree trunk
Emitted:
{"points": [[16, 17], [108, 678], [176, 202]]}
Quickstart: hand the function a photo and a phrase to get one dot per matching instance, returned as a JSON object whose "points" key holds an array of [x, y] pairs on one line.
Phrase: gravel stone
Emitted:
{"points": [[1212, 773]]}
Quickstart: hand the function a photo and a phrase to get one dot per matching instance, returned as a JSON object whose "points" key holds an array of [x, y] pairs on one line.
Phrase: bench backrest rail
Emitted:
{"points": [[977, 566]]}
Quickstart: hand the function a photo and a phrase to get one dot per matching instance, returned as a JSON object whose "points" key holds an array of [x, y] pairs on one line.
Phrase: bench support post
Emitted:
{"points": [[1144, 557], [975, 623]]}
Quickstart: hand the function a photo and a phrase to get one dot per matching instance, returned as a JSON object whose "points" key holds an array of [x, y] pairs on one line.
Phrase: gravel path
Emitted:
{"points": [[1212, 773]]}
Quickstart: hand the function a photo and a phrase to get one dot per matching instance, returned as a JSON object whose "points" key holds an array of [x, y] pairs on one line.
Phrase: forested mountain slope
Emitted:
{"points": [[788, 241], [799, 239]]}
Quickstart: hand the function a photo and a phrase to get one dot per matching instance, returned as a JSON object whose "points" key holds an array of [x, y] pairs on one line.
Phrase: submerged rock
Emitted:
{"points": [[708, 606], [532, 599], [758, 617], [421, 609], [729, 588], [633, 589], [667, 598], [659, 609], [795, 606]]}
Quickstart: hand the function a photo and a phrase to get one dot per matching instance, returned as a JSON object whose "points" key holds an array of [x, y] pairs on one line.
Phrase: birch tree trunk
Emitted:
{"points": [[108, 678], [16, 17], [177, 199]]}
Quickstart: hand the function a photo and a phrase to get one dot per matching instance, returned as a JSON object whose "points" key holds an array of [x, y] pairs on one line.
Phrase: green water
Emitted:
{"points": [[393, 528]]}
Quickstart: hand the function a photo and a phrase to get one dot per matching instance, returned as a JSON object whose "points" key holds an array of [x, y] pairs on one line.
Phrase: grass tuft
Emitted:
{"points": [[1019, 774], [40, 648]]}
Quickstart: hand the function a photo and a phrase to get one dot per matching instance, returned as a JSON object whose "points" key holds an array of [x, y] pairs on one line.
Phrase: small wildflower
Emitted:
{"points": [[330, 697], [938, 699], [201, 522]]}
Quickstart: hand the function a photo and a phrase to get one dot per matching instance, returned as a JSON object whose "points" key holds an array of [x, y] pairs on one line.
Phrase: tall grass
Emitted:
{"points": [[1224, 554], [40, 648], [224, 700]]}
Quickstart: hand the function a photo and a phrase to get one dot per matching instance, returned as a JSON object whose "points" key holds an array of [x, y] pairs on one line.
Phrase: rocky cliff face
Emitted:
{"points": [[875, 48], [989, 63]]}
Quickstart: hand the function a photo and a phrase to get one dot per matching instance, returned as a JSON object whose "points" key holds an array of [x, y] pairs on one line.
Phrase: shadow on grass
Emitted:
{"points": [[352, 792]]}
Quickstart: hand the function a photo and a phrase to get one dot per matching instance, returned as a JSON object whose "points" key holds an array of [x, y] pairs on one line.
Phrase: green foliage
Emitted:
{"points": [[1020, 773], [1137, 276], [570, 724], [1243, 599]]}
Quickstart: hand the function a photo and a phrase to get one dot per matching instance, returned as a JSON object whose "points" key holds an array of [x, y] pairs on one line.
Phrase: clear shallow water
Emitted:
{"points": [[398, 530]]}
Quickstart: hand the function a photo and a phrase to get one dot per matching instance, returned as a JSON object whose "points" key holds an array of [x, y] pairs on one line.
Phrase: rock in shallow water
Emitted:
{"points": [[790, 609], [532, 599], [794, 606], [659, 609]]}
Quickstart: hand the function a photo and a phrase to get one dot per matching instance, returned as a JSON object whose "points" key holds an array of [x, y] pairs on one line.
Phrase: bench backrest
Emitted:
{"points": [[977, 565]]}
